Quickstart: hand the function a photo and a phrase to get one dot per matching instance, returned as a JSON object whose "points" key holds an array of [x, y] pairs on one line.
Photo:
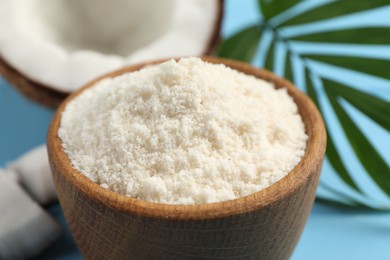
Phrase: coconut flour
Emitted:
{"points": [[185, 132]]}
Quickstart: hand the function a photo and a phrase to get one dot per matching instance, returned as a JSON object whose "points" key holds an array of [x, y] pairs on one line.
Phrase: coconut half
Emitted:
{"points": [[49, 48]]}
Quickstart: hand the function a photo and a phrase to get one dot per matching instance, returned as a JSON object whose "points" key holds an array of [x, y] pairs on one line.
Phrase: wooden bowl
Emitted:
{"points": [[264, 225]]}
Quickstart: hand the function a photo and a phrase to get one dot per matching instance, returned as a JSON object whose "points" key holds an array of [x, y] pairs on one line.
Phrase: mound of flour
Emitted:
{"points": [[186, 132]]}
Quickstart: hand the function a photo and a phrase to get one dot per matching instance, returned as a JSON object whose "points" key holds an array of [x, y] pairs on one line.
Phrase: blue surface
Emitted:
{"points": [[329, 234]]}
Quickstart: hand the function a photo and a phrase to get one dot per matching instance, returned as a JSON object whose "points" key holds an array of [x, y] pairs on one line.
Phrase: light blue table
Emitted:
{"points": [[329, 234]]}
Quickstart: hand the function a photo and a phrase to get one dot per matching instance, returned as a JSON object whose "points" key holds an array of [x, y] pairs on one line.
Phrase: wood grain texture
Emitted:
{"points": [[49, 96], [263, 225]]}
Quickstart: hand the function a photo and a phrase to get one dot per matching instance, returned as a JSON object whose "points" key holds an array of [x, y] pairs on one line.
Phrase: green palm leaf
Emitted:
{"points": [[270, 8], [331, 151], [270, 57], [343, 204], [371, 66], [371, 160], [374, 107], [356, 36], [330, 10], [243, 46], [345, 200], [288, 74]]}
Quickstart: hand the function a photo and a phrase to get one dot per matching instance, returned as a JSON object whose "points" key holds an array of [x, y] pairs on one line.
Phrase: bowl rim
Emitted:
{"points": [[305, 170]]}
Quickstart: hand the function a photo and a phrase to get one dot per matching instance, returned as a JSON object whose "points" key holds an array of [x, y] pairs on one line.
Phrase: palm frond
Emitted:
{"points": [[357, 35]]}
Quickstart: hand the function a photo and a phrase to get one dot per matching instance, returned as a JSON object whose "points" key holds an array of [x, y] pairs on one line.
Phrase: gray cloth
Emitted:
{"points": [[33, 173], [25, 228]]}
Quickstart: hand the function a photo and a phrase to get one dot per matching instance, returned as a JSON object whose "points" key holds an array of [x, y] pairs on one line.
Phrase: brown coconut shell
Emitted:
{"points": [[48, 96]]}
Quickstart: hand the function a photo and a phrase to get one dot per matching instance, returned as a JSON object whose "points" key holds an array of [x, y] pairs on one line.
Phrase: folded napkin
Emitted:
{"points": [[25, 227], [33, 172]]}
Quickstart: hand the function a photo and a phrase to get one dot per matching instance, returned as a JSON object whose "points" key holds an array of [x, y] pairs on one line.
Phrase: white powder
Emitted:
{"points": [[185, 132]]}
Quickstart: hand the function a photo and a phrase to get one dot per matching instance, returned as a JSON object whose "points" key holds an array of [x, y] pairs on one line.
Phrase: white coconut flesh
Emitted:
{"points": [[63, 44]]}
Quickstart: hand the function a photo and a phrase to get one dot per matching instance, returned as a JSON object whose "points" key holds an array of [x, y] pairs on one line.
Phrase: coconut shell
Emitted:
{"points": [[35, 91], [48, 96]]}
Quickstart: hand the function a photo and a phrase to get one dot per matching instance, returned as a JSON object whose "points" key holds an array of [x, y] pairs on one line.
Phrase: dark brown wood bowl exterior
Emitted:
{"points": [[50, 97], [263, 225]]}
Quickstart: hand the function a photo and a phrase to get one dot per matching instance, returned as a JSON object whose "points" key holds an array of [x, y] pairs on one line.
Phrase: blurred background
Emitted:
{"points": [[339, 54]]}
